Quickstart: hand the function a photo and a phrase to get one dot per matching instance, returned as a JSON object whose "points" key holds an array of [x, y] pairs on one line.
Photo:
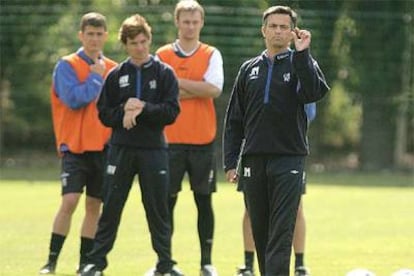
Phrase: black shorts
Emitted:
{"points": [[82, 170], [200, 164]]}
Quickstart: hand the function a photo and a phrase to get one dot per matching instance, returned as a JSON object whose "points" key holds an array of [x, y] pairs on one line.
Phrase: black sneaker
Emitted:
{"points": [[48, 268], [244, 271], [91, 270], [302, 271]]}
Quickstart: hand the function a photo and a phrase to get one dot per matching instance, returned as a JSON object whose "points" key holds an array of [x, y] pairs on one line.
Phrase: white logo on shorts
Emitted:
{"points": [[211, 176], [247, 172], [64, 178], [111, 169]]}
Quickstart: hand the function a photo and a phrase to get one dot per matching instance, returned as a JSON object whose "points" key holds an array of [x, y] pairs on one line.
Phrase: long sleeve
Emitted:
{"points": [[110, 109], [71, 91], [313, 85], [233, 128], [166, 111]]}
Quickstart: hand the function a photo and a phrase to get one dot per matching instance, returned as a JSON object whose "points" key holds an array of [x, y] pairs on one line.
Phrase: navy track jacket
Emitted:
{"points": [[155, 83], [266, 107]]}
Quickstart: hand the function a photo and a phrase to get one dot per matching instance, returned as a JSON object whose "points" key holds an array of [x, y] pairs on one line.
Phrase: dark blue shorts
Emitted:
{"points": [[82, 170], [200, 164]]}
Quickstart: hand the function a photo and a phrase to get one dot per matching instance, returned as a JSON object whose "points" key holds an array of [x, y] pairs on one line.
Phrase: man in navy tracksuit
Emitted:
{"points": [[139, 98], [266, 109]]}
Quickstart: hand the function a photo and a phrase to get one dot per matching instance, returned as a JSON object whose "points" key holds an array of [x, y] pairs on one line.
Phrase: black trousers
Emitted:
{"points": [[151, 165], [272, 188]]}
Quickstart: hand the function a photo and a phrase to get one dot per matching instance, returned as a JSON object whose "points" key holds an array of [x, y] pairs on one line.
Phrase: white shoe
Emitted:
{"points": [[208, 270], [150, 272]]}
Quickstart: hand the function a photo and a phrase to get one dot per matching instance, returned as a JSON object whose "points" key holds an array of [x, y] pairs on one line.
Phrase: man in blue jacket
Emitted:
{"points": [[300, 227], [267, 109], [139, 98]]}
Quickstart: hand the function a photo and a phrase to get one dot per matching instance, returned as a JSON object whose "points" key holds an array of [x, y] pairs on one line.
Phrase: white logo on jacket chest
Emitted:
{"points": [[254, 73], [124, 81], [286, 77], [153, 84]]}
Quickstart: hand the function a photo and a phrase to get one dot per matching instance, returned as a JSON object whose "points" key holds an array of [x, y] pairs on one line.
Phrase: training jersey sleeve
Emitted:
{"points": [[71, 91], [215, 73]]}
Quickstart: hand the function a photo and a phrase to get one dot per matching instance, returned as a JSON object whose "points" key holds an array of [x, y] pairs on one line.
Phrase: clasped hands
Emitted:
{"points": [[132, 108]]}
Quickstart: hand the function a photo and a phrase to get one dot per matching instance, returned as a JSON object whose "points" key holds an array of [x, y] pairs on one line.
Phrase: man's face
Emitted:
{"points": [[93, 38], [138, 48], [189, 25], [277, 31]]}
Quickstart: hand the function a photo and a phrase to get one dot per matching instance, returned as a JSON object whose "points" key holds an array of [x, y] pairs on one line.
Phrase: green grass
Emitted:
{"points": [[353, 220]]}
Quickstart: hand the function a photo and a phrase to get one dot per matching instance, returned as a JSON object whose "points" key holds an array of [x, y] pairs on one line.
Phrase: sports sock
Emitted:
{"points": [[298, 259], [249, 259], [205, 225], [85, 247], [56, 244]]}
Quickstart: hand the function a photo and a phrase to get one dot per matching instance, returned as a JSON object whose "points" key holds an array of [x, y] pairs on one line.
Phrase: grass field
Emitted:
{"points": [[353, 221]]}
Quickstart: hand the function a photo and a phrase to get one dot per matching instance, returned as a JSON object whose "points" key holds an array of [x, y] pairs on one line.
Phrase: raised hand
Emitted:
{"points": [[301, 38], [98, 67]]}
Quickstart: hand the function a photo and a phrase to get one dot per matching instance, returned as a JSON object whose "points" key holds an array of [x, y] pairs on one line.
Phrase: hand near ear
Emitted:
{"points": [[301, 38]]}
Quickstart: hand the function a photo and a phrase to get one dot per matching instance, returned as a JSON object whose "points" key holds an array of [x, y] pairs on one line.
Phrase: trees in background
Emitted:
{"points": [[366, 51], [379, 72]]}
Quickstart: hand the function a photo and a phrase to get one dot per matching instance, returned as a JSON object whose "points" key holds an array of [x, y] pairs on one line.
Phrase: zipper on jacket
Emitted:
{"points": [[268, 81], [138, 84]]}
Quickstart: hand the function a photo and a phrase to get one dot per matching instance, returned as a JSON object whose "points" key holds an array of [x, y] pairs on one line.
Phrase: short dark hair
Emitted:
{"points": [[92, 19], [280, 10], [133, 26]]}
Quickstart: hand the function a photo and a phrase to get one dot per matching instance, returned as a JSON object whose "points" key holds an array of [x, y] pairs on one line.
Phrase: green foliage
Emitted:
{"points": [[343, 119], [345, 31], [359, 46], [377, 64], [25, 65], [379, 68]]}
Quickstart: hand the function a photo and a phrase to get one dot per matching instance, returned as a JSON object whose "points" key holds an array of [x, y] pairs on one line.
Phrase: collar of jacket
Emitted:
{"points": [[81, 52], [278, 57], [145, 65]]}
